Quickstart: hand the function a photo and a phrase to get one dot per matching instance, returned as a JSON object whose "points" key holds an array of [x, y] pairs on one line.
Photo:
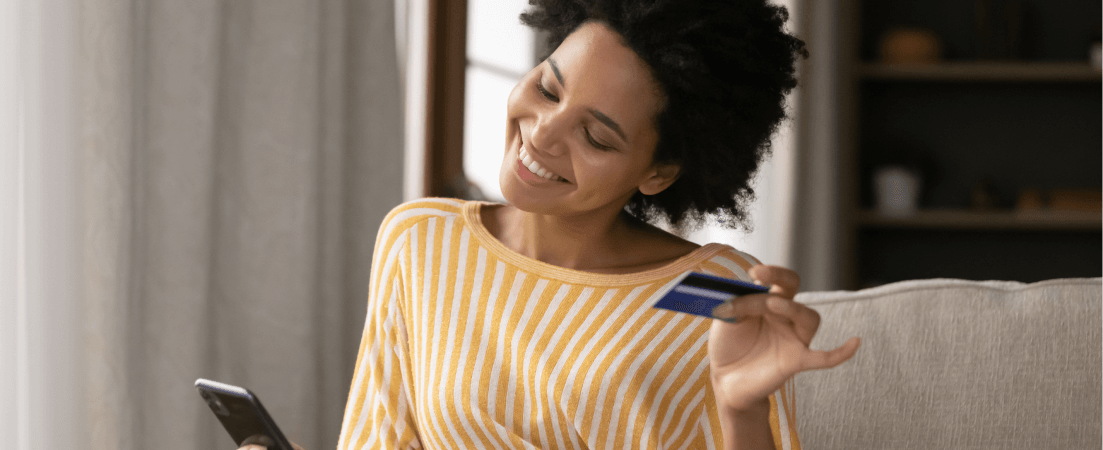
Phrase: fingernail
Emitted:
{"points": [[724, 309], [725, 312]]}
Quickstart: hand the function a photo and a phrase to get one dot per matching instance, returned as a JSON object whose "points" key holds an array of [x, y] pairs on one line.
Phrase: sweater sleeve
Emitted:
{"points": [[783, 425], [379, 411]]}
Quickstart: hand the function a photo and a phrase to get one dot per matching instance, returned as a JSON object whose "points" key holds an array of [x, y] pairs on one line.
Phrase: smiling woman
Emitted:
{"points": [[525, 324], [561, 118]]}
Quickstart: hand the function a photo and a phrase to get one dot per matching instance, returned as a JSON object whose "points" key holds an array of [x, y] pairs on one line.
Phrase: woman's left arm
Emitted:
{"points": [[768, 345]]}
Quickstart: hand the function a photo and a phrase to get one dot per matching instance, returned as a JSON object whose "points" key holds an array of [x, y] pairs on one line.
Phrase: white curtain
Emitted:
{"points": [[236, 158], [40, 331]]}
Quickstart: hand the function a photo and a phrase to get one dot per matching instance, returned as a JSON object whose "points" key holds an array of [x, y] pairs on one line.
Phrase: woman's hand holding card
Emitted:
{"points": [[768, 344]]}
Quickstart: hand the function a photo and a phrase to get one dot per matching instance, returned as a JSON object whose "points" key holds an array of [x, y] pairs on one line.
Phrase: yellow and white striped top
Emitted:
{"points": [[471, 345]]}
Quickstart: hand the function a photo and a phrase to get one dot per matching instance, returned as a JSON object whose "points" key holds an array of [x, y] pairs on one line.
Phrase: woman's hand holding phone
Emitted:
{"points": [[243, 416], [261, 447]]}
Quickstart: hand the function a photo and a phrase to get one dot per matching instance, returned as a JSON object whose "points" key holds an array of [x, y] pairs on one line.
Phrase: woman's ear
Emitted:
{"points": [[662, 176]]}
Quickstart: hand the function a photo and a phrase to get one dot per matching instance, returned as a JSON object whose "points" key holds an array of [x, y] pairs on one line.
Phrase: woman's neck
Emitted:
{"points": [[614, 243]]}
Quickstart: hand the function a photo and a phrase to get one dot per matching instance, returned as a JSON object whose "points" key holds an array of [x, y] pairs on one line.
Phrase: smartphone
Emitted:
{"points": [[699, 294], [242, 415]]}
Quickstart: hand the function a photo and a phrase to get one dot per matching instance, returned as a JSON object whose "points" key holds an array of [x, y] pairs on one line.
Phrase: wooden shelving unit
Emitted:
{"points": [[989, 220], [1047, 72], [1034, 123]]}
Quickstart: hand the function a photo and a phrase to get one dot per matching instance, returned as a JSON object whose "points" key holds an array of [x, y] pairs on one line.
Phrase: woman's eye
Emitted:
{"points": [[595, 143], [545, 93]]}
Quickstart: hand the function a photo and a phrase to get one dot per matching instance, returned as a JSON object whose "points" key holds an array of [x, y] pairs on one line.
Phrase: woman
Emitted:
{"points": [[525, 325]]}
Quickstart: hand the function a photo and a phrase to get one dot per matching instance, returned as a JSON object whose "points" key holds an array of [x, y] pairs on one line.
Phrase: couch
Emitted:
{"points": [[955, 364]]}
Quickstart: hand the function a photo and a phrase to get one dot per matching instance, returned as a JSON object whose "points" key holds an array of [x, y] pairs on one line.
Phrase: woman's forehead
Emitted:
{"points": [[594, 63]]}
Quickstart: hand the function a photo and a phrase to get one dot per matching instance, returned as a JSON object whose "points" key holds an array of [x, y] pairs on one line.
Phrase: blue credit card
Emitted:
{"points": [[698, 294]]}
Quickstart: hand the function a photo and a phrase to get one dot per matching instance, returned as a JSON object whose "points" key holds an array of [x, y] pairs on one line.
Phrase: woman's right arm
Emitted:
{"points": [[378, 412]]}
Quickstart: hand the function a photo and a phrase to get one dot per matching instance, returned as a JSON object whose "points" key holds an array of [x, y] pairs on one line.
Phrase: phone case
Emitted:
{"points": [[242, 415]]}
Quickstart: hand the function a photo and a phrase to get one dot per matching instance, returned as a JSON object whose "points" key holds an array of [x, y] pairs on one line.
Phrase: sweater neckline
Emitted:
{"points": [[472, 215]]}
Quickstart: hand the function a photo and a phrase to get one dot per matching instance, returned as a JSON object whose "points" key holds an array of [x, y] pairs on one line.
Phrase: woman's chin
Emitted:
{"points": [[515, 195], [521, 196], [518, 193]]}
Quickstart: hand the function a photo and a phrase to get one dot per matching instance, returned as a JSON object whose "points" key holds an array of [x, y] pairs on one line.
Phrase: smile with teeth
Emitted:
{"points": [[535, 168]]}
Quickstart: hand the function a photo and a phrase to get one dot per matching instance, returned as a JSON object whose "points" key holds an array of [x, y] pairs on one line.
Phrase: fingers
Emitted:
{"points": [[785, 283], [815, 360], [737, 308], [782, 281], [806, 321]]}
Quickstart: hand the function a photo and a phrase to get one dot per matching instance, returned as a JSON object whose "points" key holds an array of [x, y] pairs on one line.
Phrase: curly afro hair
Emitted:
{"points": [[725, 67]]}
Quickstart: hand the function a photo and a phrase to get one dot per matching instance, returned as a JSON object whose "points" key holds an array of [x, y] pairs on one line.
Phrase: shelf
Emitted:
{"points": [[1023, 123], [982, 71], [995, 220]]}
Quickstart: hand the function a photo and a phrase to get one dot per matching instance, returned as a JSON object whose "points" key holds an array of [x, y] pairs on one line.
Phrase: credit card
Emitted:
{"points": [[698, 294]]}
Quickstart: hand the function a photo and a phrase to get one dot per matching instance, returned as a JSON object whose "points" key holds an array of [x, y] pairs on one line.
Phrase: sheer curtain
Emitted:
{"points": [[40, 332], [229, 163]]}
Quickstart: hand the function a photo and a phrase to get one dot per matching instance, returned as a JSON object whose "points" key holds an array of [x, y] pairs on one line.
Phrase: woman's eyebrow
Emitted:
{"points": [[555, 70], [597, 114], [609, 122]]}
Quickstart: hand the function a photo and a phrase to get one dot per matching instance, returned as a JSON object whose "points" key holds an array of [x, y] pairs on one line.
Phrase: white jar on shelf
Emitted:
{"points": [[897, 190]]}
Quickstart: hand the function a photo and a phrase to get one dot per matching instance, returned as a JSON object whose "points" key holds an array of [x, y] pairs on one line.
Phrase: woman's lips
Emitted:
{"points": [[532, 167], [526, 175]]}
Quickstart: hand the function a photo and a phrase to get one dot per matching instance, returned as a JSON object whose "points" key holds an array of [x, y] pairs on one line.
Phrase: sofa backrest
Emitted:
{"points": [[957, 364]]}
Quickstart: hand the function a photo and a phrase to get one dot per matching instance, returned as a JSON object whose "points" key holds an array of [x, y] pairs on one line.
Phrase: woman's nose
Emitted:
{"points": [[548, 134]]}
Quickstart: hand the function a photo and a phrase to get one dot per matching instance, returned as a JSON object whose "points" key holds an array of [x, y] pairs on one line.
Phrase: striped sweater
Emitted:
{"points": [[470, 345]]}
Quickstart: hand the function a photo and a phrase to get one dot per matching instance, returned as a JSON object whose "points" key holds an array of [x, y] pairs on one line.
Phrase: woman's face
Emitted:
{"points": [[583, 121]]}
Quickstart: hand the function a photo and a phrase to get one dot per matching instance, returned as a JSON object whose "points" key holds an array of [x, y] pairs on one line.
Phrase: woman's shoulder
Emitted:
{"points": [[726, 261], [426, 207], [407, 214], [430, 205]]}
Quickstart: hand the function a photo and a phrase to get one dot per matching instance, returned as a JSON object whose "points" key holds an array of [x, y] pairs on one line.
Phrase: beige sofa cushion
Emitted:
{"points": [[957, 364]]}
